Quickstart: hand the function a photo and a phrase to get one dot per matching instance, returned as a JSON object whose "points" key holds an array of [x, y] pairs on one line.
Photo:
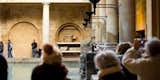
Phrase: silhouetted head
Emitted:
{"points": [[48, 49], [51, 55], [106, 59], [152, 47], [123, 47]]}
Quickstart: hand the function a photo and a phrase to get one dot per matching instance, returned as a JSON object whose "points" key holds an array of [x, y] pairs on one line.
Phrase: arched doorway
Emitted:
{"points": [[22, 34], [68, 38], [69, 32]]}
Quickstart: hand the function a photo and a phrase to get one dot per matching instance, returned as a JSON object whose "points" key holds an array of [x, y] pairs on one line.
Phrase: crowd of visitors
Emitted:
{"points": [[128, 62], [120, 50], [36, 52]]}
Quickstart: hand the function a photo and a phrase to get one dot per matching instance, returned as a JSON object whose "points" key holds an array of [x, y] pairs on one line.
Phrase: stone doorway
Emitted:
{"points": [[22, 34]]}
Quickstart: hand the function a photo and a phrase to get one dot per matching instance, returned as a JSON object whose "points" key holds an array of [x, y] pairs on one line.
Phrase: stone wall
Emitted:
{"points": [[68, 15], [22, 23]]}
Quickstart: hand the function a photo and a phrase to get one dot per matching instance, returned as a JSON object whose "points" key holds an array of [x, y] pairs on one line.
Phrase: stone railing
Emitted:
{"points": [[24, 60], [43, 1]]}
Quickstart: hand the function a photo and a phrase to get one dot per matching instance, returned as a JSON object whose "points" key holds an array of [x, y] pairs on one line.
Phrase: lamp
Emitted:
{"points": [[94, 2], [89, 15]]}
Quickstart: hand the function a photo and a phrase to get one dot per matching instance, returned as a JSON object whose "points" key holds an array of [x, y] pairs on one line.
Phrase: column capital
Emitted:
{"points": [[45, 3]]}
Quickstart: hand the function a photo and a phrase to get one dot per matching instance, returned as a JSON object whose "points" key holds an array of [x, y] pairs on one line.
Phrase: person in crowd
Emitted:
{"points": [[146, 67], [120, 50], [3, 68], [1, 48], [9, 49], [52, 67], [109, 66], [39, 52], [34, 48]]}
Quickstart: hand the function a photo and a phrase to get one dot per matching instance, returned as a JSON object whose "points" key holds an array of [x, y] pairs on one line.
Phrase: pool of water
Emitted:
{"points": [[22, 71]]}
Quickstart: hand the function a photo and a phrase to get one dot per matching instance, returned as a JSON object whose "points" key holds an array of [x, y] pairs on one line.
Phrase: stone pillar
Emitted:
{"points": [[45, 27], [96, 27], [149, 18], [126, 20], [0, 31], [102, 21], [0, 23], [112, 20]]}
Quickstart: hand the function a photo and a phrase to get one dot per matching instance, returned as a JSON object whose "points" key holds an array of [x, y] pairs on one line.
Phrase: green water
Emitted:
{"points": [[22, 71]]}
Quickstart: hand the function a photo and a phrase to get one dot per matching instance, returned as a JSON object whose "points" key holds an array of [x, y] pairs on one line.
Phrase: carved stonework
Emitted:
{"points": [[69, 33]]}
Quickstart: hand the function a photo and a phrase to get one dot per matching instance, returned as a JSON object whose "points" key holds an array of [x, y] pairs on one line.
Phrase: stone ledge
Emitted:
{"points": [[35, 60], [24, 60]]}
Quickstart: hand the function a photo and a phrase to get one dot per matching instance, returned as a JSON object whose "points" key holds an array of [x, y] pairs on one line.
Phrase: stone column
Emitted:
{"points": [[45, 27], [0, 31], [112, 20], [153, 18], [1, 23], [149, 18], [102, 21], [126, 20]]}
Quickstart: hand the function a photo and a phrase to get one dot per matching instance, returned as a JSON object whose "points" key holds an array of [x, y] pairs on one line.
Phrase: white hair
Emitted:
{"points": [[152, 47], [106, 59]]}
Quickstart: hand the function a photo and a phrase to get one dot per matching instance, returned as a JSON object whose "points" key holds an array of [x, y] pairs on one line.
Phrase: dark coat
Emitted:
{"points": [[114, 76], [34, 45], [3, 68], [129, 75], [1, 47], [49, 72]]}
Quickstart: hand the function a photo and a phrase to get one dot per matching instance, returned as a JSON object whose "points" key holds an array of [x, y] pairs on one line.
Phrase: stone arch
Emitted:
{"points": [[21, 35], [69, 32]]}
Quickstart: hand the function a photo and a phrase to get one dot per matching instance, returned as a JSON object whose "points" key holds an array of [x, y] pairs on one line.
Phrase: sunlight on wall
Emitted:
{"points": [[140, 15], [71, 0], [34, 1]]}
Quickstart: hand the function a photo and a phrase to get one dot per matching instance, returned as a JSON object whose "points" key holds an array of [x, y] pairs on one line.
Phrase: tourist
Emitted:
{"points": [[34, 48], [52, 67], [109, 66], [147, 66], [3, 68], [1, 48], [38, 53], [9, 49], [120, 50]]}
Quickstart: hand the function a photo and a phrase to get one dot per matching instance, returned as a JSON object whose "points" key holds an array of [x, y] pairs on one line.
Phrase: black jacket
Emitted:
{"points": [[3, 68], [49, 72], [114, 76]]}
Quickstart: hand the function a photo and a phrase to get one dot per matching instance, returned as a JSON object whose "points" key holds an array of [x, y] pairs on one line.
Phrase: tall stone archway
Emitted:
{"points": [[22, 34]]}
